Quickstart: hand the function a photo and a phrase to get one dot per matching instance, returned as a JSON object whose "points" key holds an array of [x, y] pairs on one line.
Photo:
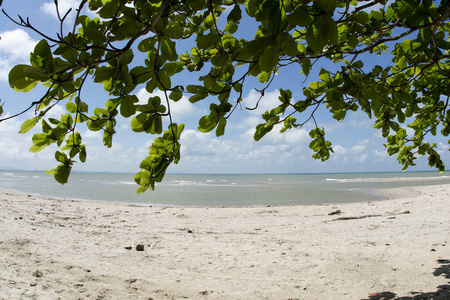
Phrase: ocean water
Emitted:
{"points": [[220, 190]]}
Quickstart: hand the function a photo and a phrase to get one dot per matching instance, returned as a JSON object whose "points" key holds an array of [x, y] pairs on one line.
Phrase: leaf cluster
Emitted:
{"points": [[412, 89]]}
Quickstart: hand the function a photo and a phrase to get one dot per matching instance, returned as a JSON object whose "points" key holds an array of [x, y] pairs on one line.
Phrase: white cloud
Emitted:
{"points": [[361, 158], [9, 127], [289, 137], [360, 146], [339, 150], [15, 48], [267, 102], [381, 156], [63, 7], [56, 112], [15, 152], [442, 148], [202, 150], [409, 131], [93, 135], [14, 149]]}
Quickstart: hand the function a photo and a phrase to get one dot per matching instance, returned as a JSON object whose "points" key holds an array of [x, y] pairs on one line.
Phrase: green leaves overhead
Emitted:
{"points": [[322, 32], [226, 45], [62, 171], [269, 59], [23, 78], [163, 152], [127, 107]]}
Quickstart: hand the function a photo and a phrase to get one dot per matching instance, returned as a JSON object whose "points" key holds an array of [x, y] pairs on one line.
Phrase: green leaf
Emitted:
{"points": [[42, 57], [163, 80], [140, 74], [326, 5], [176, 95], [262, 130], [269, 59], [82, 154], [143, 179], [35, 73], [235, 14], [252, 6], [208, 123], [40, 141], [174, 31], [104, 73], [207, 41], [306, 65], [196, 4], [61, 157], [289, 46], [323, 31], [168, 49], [195, 89], [254, 47], [147, 44], [361, 17], [300, 17], [71, 107], [107, 139], [264, 76], [29, 124], [147, 123], [19, 81], [127, 108], [221, 126], [61, 173]]}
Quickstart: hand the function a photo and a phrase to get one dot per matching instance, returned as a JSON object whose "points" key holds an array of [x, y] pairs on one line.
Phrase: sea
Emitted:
{"points": [[215, 190]]}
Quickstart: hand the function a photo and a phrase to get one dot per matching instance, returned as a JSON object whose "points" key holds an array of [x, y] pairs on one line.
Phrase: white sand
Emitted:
{"points": [[62, 249]]}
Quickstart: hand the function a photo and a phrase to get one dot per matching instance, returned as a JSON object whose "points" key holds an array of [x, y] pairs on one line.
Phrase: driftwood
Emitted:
{"points": [[370, 216]]}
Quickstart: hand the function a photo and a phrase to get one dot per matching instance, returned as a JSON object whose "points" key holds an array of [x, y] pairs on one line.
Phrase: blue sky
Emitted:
{"points": [[357, 147]]}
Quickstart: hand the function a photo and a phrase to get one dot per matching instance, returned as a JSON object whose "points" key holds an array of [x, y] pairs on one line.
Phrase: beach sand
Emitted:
{"points": [[64, 249]]}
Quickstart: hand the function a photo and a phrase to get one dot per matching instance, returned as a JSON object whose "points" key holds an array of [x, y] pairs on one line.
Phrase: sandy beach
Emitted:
{"points": [[64, 249]]}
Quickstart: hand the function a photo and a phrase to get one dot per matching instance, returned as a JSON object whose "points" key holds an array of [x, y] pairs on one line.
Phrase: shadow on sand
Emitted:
{"points": [[442, 292]]}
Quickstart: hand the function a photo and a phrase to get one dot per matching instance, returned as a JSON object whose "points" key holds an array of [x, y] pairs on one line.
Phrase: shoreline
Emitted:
{"points": [[221, 190], [58, 248]]}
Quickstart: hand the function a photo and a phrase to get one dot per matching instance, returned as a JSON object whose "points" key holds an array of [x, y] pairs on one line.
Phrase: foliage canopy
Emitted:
{"points": [[413, 88]]}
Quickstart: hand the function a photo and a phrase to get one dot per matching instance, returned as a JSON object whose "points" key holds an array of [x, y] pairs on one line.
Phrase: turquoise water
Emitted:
{"points": [[220, 190]]}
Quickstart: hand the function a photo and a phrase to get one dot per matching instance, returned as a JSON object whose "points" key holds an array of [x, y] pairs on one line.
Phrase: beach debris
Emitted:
{"points": [[128, 247], [204, 293], [140, 247], [402, 213], [371, 216], [356, 218], [154, 245], [38, 273], [336, 212]]}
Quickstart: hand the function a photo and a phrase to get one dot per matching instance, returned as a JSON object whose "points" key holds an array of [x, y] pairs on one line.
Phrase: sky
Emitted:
{"points": [[357, 147]]}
